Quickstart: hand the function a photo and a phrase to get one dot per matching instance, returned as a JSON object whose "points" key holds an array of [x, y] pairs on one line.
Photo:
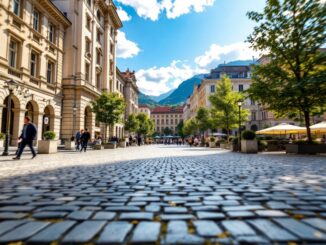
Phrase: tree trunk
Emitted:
{"points": [[307, 122], [106, 133]]}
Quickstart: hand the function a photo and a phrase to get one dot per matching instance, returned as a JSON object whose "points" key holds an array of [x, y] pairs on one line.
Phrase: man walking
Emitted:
{"points": [[26, 138], [85, 137], [78, 139]]}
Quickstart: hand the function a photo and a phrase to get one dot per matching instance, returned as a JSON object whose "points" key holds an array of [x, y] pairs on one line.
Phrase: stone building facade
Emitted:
{"points": [[90, 61], [130, 92], [167, 117], [32, 41]]}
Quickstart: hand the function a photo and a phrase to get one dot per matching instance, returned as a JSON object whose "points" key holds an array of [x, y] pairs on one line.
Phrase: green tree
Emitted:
{"points": [[146, 125], [190, 127], [167, 131], [204, 120], [132, 123], [225, 110], [108, 108], [292, 82], [180, 129]]}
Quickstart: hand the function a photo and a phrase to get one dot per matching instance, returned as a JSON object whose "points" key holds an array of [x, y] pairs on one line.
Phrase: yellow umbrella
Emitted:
{"points": [[319, 127], [282, 129]]}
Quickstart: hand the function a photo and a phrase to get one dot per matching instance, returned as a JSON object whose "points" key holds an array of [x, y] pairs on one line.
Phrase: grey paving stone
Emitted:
{"points": [[123, 209], [176, 216], [152, 208], [175, 210], [49, 215], [136, 216], [83, 232], [316, 222], [51, 233], [102, 215], [146, 232], [23, 232], [241, 214], [270, 213], [115, 233], [183, 239], [252, 240], [63, 208], [17, 208], [207, 228], [210, 215], [272, 231], [6, 226], [177, 227], [80, 215], [205, 208], [12, 215], [301, 230], [238, 228], [243, 208]]}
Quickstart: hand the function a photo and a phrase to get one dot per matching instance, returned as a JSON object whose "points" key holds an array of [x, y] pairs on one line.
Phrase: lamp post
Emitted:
{"points": [[11, 85], [239, 105]]}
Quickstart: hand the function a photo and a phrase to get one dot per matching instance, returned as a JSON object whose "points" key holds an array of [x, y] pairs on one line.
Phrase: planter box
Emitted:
{"points": [[225, 146], [305, 149], [212, 144], [69, 145], [123, 144], [235, 147], [249, 146], [110, 146], [98, 147], [47, 146]]}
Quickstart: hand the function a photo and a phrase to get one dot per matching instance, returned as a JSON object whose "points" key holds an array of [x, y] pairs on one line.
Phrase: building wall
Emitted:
{"points": [[92, 35], [166, 120], [38, 64]]}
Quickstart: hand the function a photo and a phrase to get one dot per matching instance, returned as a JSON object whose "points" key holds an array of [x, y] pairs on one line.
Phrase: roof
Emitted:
{"points": [[167, 109]]}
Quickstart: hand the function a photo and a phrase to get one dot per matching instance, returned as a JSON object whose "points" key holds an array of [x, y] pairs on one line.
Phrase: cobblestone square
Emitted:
{"points": [[163, 195]]}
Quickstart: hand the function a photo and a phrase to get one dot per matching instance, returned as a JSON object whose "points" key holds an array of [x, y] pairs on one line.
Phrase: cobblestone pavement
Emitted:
{"points": [[163, 195]]}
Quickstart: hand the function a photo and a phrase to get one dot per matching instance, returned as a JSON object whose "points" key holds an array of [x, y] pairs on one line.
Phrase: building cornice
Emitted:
{"points": [[112, 10], [55, 12]]}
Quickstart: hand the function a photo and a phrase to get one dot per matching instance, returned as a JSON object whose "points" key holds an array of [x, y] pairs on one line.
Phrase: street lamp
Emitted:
{"points": [[239, 130], [11, 85]]}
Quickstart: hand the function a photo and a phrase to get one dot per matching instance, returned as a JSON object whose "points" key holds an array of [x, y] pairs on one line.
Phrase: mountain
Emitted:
{"points": [[239, 63], [184, 90], [144, 99], [162, 96]]}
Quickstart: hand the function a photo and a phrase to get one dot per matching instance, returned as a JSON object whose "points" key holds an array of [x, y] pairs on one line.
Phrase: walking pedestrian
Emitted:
{"points": [[85, 137], [139, 141], [78, 139], [26, 138]]}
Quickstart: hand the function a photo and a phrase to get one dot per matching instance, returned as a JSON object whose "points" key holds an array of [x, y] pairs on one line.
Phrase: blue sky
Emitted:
{"points": [[168, 41]]}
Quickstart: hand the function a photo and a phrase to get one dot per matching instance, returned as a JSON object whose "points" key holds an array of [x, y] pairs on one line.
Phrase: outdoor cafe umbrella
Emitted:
{"points": [[319, 127], [282, 129]]}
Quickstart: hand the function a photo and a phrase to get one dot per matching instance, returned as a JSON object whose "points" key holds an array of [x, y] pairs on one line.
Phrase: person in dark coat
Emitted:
{"points": [[84, 138], [78, 141], [26, 138]]}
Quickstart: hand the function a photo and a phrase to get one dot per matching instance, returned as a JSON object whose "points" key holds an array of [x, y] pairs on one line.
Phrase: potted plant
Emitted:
{"points": [[249, 142], [212, 142], [110, 145], [48, 145], [2, 139], [123, 143], [223, 144], [235, 144], [70, 143], [305, 147]]}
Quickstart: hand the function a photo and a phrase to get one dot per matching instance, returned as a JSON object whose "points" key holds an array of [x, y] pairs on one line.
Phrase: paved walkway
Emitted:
{"points": [[163, 195]]}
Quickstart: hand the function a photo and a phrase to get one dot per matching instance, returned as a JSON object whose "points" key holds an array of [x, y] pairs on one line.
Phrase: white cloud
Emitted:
{"points": [[151, 9], [158, 80], [148, 9], [123, 14], [125, 47], [218, 54]]}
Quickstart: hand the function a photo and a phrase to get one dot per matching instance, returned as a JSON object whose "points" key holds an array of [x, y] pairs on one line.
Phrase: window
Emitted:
{"points": [[252, 102], [33, 64], [98, 35], [98, 57], [253, 116], [51, 33], [99, 15], [176, 121], [167, 121], [112, 48], [88, 46], [171, 121], [98, 81], [212, 88], [13, 52], [263, 115], [50, 72], [16, 7], [88, 22], [162, 121], [36, 20], [240, 87], [158, 121], [89, 2], [87, 70]]}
